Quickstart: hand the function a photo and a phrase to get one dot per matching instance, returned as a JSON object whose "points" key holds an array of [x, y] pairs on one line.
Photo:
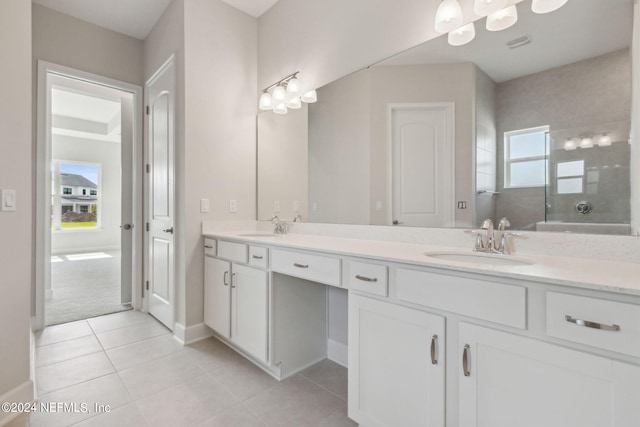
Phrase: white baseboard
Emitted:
{"points": [[338, 352], [192, 333], [21, 394]]}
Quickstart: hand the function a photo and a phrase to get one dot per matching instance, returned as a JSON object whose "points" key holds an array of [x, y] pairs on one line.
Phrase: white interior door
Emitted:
{"points": [[127, 133], [422, 153], [160, 93]]}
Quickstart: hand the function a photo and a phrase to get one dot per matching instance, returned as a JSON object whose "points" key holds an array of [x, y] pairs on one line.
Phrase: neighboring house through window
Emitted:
{"points": [[526, 157], [79, 183]]}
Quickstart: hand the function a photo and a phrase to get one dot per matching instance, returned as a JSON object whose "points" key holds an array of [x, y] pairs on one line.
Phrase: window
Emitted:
{"points": [[84, 209], [93, 192], [70, 181], [525, 157], [570, 177], [84, 191], [67, 190]]}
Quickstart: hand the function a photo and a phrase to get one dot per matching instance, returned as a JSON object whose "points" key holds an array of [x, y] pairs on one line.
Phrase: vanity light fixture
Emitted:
{"points": [[586, 142], [570, 144], [546, 6], [463, 35], [487, 7], [285, 94], [502, 19], [604, 140], [448, 16]]}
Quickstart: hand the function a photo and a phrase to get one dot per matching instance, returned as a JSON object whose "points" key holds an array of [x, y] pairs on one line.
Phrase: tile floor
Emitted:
{"points": [[133, 364]]}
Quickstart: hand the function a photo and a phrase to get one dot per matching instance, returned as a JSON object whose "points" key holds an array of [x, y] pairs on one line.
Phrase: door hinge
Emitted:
{"points": [[148, 110], [147, 285], [147, 227], [148, 168]]}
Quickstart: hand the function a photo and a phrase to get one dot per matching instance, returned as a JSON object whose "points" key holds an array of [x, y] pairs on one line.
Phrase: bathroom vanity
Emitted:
{"points": [[437, 336]]}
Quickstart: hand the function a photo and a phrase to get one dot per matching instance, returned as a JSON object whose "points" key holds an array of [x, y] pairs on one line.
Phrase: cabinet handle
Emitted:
{"points": [[434, 350], [208, 246], [295, 264], [594, 325], [233, 276], [257, 257], [224, 278], [465, 360], [366, 279]]}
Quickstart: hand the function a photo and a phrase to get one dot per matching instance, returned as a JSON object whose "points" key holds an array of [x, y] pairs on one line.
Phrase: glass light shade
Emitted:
{"points": [[487, 7], [310, 97], [502, 19], [462, 35], [279, 95], [280, 108], [293, 86], [266, 102], [570, 144], [294, 103], [604, 140], [448, 16], [546, 6], [586, 142]]}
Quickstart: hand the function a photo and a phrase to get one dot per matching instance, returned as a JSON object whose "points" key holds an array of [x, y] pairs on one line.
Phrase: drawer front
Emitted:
{"points": [[238, 252], [495, 302], [258, 256], [209, 246], [599, 323], [311, 267], [370, 278]]}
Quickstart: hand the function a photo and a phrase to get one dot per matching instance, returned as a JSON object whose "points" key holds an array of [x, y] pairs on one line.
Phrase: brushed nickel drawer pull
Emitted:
{"points": [[257, 257], [233, 276], [208, 246], [295, 264], [465, 360], [434, 350], [224, 278], [366, 279], [593, 325]]}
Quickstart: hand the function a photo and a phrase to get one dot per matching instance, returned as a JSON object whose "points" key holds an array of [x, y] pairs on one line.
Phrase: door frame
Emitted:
{"points": [[449, 190], [43, 186]]}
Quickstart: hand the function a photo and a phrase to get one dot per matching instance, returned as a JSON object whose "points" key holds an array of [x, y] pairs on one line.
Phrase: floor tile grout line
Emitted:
{"points": [[322, 387]]}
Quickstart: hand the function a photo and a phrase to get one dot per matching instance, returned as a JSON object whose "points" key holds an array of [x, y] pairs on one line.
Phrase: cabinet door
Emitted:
{"points": [[217, 294], [249, 302], [396, 365], [517, 381]]}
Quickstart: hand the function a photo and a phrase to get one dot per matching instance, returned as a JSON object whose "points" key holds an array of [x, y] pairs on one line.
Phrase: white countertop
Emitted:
{"points": [[611, 276]]}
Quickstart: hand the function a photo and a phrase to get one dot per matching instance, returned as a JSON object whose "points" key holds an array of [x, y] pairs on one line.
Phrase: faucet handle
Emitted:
{"points": [[503, 224], [275, 219]]}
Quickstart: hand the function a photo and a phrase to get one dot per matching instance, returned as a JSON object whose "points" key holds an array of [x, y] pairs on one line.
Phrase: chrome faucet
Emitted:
{"points": [[280, 227], [489, 238], [297, 217], [493, 241]]}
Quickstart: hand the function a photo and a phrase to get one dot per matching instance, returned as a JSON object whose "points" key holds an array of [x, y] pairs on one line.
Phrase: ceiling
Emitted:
{"points": [[135, 18], [579, 30]]}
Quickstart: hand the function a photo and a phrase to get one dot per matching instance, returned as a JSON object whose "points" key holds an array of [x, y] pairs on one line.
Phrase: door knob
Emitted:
{"points": [[396, 222], [168, 230], [126, 226]]}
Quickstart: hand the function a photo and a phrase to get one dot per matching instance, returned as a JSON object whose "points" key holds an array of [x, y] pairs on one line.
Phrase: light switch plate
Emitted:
{"points": [[296, 206], [8, 201], [233, 206], [204, 205], [276, 206]]}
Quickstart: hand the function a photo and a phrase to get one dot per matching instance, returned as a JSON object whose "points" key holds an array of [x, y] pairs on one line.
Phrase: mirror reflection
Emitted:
{"points": [[530, 123]]}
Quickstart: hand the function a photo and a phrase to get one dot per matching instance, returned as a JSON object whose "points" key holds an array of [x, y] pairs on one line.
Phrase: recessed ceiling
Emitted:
{"points": [[252, 7]]}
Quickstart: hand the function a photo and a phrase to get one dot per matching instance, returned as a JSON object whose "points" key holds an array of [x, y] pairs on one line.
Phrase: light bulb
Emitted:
{"points": [[448, 16], [546, 6], [462, 35], [487, 7], [310, 97], [293, 86], [266, 102], [294, 103], [586, 142], [280, 108], [279, 95], [502, 19], [604, 140], [570, 144]]}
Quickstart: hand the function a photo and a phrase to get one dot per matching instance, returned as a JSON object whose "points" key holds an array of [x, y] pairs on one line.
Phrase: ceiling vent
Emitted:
{"points": [[519, 42]]}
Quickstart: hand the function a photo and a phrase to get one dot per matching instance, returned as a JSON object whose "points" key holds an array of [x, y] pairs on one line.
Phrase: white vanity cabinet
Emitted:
{"points": [[506, 380], [396, 365], [236, 299]]}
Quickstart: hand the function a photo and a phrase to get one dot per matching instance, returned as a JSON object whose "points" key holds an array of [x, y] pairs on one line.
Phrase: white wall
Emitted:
{"points": [[16, 228], [107, 154], [635, 124]]}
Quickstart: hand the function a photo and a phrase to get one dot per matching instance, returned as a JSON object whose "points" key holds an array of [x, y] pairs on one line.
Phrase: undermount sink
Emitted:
{"points": [[478, 258], [258, 235]]}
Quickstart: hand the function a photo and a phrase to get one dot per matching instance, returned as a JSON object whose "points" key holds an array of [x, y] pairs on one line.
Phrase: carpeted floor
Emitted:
{"points": [[83, 286]]}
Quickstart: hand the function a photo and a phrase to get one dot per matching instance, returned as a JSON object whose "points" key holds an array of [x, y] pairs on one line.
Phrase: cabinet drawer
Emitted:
{"points": [[311, 267], [371, 278], [599, 323], [209, 246], [233, 251], [495, 302], [258, 256]]}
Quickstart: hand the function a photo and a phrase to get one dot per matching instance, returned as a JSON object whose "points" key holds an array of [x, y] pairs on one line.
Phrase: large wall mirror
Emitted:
{"points": [[530, 123]]}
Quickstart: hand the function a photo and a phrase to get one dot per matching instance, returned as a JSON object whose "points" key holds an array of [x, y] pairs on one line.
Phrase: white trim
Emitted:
{"points": [[86, 249], [507, 161], [192, 333], [450, 187], [338, 352], [24, 393], [43, 188]]}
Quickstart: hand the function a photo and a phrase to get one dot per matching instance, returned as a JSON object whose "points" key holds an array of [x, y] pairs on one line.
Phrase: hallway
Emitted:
{"points": [[130, 363]]}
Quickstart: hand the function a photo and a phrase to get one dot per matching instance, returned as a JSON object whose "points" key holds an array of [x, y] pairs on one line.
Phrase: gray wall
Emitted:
{"points": [[485, 203]]}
